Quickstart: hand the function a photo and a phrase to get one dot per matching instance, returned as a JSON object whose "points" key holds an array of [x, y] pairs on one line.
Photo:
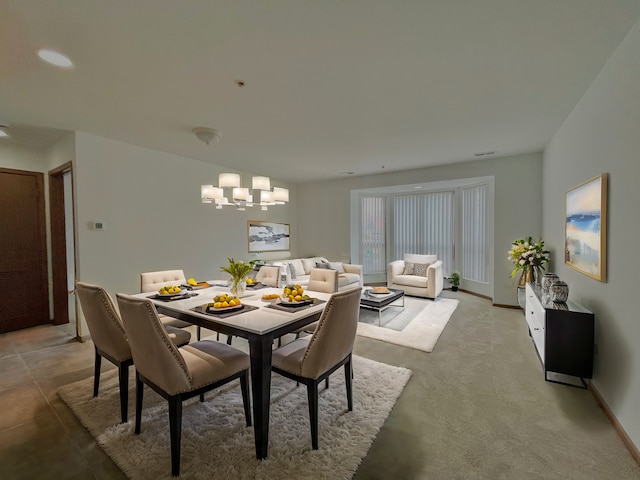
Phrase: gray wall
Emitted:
{"points": [[324, 217], [150, 204], [602, 135]]}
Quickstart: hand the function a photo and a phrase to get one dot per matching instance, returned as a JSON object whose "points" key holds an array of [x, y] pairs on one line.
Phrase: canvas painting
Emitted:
{"points": [[585, 228], [268, 237]]}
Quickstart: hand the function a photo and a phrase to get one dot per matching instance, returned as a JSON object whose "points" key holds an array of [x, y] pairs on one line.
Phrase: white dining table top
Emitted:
{"points": [[258, 321]]}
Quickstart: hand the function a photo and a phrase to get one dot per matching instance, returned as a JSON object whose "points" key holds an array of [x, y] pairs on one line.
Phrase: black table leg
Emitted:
{"points": [[260, 352]]}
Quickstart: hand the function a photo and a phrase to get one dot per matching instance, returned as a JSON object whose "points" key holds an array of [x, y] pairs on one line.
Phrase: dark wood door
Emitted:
{"points": [[24, 291]]}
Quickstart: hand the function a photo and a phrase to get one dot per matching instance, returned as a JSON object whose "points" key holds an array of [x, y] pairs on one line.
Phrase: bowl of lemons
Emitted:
{"points": [[170, 291]]}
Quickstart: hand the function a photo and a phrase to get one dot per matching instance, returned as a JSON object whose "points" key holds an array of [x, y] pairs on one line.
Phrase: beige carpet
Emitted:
{"points": [[217, 444], [422, 332]]}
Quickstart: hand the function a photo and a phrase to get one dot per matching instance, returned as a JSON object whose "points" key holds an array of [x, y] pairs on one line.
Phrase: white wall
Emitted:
{"points": [[602, 135], [150, 204], [324, 213], [22, 158]]}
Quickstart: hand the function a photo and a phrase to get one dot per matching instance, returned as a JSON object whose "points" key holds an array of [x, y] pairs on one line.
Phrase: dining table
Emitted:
{"points": [[259, 321]]}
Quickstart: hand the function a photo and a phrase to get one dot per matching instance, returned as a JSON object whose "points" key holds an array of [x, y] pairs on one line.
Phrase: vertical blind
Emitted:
{"points": [[373, 234], [423, 223], [475, 253]]}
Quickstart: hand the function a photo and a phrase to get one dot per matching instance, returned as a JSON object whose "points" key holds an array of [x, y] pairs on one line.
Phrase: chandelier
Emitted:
{"points": [[239, 197]]}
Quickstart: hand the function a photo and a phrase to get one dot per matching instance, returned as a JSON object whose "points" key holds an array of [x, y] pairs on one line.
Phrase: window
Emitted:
{"points": [[373, 235], [423, 223], [452, 219], [475, 249]]}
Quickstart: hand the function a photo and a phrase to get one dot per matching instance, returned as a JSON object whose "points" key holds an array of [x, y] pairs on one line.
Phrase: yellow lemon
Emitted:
{"points": [[217, 305], [225, 304], [249, 281], [287, 291], [192, 281], [300, 291], [298, 298], [232, 303]]}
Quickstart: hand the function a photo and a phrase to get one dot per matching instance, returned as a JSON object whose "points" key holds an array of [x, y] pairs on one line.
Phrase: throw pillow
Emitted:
{"points": [[324, 266], [420, 269], [300, 269], [292, 271], [336, 266], [408, 268]]}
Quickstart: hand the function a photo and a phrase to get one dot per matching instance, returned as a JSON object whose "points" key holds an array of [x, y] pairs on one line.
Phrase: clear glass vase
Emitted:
{"points": [[238, 287]]}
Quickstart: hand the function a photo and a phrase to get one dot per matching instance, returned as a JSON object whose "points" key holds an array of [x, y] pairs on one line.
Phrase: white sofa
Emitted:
{"points": [[349, 275], [428, 285]]}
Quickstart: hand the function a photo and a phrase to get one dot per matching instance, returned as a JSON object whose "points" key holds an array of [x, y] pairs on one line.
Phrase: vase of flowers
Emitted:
{"points": [[529, 257], [238, 271]]}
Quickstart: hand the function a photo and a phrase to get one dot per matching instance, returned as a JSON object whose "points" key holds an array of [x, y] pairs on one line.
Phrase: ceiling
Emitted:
{"points": [[329, 86]]}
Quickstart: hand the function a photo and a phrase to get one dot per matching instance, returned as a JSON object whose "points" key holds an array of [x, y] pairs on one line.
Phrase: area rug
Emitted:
{"points": [[421, 332], [216, 443]]}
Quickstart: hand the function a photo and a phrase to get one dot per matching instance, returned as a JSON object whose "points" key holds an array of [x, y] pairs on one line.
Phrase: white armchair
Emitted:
{"points": [[417, 275]]}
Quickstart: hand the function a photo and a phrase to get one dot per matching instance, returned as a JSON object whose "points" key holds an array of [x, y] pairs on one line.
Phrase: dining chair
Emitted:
{"points": [[177, 374], [269, 275], [320, 280], [109, 338], [154, 281], [311, 359]]}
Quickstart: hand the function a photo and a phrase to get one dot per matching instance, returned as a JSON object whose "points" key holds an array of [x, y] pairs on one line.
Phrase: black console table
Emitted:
{"points": [[563, 334]]}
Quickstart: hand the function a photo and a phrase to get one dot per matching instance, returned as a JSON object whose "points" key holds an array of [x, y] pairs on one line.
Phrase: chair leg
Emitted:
{"points": [[123, 375], [175, 431], [139, 394], [326, 382], [202, 397], [96, 373], [348, 376], [312, 396], [229, 339], [244, 386], [198, 332]]}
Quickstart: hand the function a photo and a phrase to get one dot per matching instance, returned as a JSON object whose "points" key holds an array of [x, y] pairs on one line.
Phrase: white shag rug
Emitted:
{"points": [[216, 443], [422, 332]]}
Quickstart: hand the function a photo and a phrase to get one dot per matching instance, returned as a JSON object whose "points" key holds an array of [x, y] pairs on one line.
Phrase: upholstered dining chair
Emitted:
{"points": [[311, 359], [154, 281], [320, 280], [269, 275], [177, 374], [109, 338]]}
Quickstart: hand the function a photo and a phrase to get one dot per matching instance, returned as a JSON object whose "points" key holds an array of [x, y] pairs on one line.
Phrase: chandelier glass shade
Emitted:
{"points": [[243, 197]]}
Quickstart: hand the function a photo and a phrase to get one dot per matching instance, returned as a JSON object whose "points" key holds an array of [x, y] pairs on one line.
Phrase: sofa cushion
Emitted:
{"points": [[410, 280], [322, 265], [309, 263], [297, 264], [348, 278], [408, 268], [336, 266], [419, 258], [420, 269]]}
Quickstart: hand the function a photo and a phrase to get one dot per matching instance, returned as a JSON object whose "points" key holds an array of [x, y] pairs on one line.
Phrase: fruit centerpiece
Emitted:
{"points": [[295, 293], [169, 290], [224, 301]]}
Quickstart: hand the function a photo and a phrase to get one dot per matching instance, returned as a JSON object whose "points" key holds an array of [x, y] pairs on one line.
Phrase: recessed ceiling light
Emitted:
{"points": [[3, 134], [484, 154], [55, 58], [345, 173]]}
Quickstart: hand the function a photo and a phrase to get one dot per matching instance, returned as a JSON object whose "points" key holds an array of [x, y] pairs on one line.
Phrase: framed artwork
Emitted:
{"points": [[585, 245], [268, 237]]}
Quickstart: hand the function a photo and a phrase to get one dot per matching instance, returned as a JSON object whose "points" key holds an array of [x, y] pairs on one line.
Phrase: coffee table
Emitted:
{"points": [[381, 302]]}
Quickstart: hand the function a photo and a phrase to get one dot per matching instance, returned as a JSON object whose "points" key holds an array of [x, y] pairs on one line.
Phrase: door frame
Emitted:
{"points": [[59, 241]]}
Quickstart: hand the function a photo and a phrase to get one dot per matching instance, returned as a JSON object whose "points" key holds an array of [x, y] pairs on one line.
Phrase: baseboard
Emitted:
{"points": [[503, 305], [633, 450]]}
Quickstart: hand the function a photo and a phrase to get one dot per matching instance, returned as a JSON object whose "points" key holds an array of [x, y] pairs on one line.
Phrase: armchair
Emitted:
{"points": [[417, 275]]}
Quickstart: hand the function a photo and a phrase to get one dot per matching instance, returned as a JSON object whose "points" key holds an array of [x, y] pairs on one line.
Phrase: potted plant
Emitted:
{"points": [[238, 271], [455, 281]]}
